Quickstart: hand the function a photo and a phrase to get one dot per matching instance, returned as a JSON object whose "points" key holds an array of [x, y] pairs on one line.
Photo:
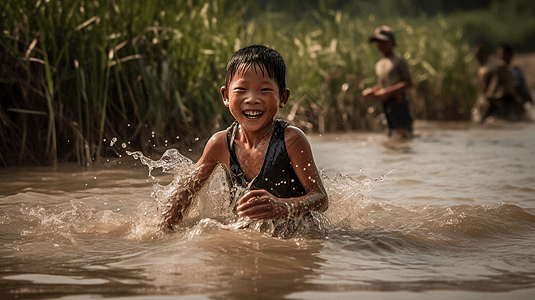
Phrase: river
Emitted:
{"points": [[448, 214]]}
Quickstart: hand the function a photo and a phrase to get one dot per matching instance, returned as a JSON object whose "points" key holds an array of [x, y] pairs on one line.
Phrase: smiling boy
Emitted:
{"points": [[271, 158]]}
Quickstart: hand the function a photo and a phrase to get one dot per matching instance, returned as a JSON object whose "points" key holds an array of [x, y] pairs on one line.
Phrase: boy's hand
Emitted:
{"points": [[261, 205], [380, 94], [368, 92]]}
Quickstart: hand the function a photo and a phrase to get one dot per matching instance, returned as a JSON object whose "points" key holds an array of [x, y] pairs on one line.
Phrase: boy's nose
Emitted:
{"points": [[252, 97]]}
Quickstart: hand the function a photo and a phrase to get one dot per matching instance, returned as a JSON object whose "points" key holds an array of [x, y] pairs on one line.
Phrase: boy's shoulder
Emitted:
{"points": [[219, 137], [484, 71], [399, 59], [217, 142], [393, 60], [294, 136], [294, 131]]}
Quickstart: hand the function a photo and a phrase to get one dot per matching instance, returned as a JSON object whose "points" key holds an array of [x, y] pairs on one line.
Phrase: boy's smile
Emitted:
{"points": [[250, 114], [253, 98]]}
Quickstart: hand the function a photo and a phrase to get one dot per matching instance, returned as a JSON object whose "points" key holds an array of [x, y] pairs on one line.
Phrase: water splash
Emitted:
{"points": [[172, 162], [216, 200], [350, 208], [213, 201], [67, 220], [349, 200]]}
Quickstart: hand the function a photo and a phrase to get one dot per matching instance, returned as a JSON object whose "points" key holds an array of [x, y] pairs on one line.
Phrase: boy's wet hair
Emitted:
{"points": [[264, 58], [482, 53]]}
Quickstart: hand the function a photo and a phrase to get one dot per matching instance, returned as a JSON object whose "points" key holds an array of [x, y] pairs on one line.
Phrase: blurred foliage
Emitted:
{"points": [[380, 8], [505, 21], [85, 79]]}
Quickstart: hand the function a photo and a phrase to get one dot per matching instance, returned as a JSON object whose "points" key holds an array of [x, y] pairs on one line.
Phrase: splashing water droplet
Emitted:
{"points": [[171, 161]]}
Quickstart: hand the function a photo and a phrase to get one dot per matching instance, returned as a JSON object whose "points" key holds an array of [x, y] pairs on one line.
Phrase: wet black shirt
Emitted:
{"points": [[277, 175]]}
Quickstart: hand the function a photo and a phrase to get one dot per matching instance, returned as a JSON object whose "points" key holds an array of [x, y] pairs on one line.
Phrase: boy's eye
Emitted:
{"points": [[239, 89], [266, 90]]}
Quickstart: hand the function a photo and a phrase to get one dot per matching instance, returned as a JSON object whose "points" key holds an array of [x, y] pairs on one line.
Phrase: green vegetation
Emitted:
{"points": [[511, 22], [85, 79]]}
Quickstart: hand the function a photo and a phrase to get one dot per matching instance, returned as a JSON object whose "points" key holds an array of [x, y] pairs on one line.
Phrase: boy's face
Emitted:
{"points": [[253, 98], [384, 47]]}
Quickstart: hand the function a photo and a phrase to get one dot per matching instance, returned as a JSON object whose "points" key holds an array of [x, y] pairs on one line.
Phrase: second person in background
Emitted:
{"points": [[393, 79]]}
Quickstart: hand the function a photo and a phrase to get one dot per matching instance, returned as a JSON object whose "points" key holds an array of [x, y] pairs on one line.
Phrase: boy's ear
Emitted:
{"points": [[224, 94], [284, 98]]}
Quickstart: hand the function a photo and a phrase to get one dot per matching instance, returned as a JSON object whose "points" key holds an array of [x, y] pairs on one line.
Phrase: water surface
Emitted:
{"points": [[449, 214]]}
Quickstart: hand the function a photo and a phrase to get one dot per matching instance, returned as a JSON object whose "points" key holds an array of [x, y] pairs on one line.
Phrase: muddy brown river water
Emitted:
{"points": [[449, 214]]}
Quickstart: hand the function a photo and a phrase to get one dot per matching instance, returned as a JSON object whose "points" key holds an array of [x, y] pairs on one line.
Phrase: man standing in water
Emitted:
{"points": [[498, 85], [505, 55], [393, 78]]}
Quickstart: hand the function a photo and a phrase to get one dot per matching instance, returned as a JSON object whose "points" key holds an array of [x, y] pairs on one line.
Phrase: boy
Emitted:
{"points": [[505, 55], [269, 157], [498, 87], [393, 78]]}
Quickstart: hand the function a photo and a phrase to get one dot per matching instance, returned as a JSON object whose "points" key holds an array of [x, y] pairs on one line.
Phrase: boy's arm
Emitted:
{"points": [[215, 152], [369, 92], [393, 90], [261, 205]]}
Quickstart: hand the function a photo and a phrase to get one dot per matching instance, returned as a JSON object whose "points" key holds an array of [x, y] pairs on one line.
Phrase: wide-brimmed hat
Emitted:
{"points": [[382, 33]]}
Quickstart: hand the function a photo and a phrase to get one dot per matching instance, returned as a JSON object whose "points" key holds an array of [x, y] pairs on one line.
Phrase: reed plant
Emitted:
{"points": [[86, 79], [87, 74]]}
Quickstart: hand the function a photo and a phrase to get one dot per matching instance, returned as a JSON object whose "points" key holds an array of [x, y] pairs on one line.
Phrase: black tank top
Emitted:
{"points": [[277, 175]]}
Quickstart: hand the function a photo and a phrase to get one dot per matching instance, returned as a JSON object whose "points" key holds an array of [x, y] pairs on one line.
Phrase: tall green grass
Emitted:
{"points": [[142, 73], [86, 79]]}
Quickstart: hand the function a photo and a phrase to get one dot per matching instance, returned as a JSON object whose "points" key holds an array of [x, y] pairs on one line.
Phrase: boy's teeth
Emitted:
{"points": [[252, 114]]}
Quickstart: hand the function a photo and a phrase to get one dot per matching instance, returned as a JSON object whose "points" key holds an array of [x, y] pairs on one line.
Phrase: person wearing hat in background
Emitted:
{"points": [[393, 79]]}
